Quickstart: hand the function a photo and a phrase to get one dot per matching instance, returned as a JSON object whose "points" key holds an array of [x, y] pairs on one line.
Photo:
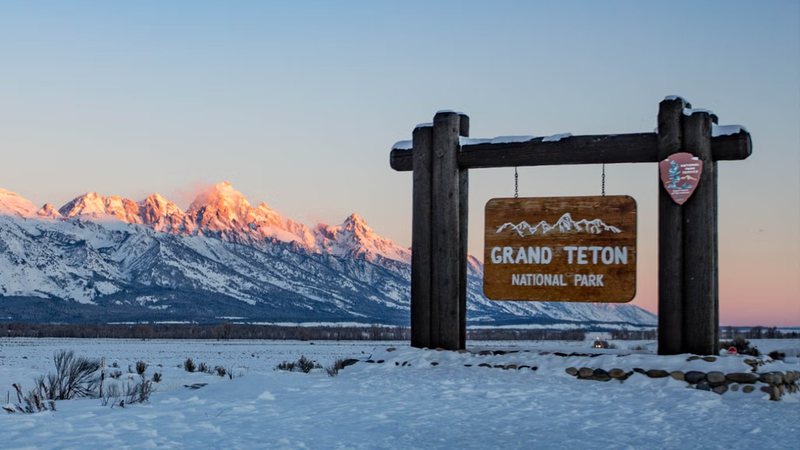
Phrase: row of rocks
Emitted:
{"points": [[435, 363], [752, 362], [776, 384], [505, 366]]}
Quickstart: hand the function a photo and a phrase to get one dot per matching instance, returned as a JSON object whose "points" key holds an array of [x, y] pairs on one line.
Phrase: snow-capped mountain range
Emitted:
{"points": [[565, 224], [107, 258]]}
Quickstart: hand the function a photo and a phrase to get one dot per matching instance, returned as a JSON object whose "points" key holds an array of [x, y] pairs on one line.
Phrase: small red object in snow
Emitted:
{"points": [[732, 351]]}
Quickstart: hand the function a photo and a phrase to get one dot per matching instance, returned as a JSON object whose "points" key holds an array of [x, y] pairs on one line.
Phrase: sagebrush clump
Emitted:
{"points": [[303, 364], [74, 377], [189, 365]]}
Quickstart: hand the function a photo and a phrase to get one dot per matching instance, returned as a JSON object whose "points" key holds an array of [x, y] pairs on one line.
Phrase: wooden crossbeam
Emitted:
{"points": [[591, 149]]}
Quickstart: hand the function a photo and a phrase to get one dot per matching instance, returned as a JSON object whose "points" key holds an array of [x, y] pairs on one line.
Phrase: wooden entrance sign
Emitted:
{"points": [[578, 249], [440, 155]]}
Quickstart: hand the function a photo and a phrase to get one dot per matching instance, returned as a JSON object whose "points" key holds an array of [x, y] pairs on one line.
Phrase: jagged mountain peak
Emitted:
{"points": [[356, 224], [14, 204], [94, 205], [222, 211], [220, 195], [220, 208], [355, 238], [48, 210]]}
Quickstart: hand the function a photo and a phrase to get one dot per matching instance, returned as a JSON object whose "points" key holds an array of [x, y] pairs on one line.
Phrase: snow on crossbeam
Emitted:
{"points": [[588, 149]]}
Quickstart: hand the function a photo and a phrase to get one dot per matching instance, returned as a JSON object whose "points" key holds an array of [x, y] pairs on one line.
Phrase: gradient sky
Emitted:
{"points": [[298, 102]]}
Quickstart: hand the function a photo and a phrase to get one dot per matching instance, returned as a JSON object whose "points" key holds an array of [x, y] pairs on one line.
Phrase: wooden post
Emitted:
{"points": [[670, 237], [463, 217], [421, 238], [701, 293], [446, 270]]}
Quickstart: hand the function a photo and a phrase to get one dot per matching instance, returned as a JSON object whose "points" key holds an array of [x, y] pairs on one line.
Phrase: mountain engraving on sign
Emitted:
{"points": [[536, 250], [564, 225]]}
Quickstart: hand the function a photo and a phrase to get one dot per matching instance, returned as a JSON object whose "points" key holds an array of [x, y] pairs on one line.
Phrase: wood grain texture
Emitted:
{"points": [[463, 217], [445, 233], [421, 240], [670, 236], [618, 279], [701, 292]]}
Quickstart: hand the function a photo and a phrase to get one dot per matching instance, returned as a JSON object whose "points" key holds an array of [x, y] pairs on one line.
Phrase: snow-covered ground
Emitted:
{"points": [[405, 401]]}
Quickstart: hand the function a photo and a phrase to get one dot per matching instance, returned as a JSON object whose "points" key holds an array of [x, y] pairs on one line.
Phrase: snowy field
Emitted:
{"points": [[406, 398]]}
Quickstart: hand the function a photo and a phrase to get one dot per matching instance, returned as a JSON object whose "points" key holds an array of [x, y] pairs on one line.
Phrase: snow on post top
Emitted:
{"points": [[403, 145], [725, 130]]}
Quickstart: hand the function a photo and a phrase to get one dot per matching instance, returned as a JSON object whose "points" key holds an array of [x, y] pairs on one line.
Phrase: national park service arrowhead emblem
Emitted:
{"points": [[680, 174]]}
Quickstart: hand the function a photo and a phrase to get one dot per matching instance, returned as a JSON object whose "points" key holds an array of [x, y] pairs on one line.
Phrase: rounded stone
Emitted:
{"points": [[775, 395], [657, 373], [572, 371], [693, 358], [677, 375], [742, 377], [721, 389], [694, 377], [735, 387], [709, 358], [616, 373], [715, 378], [349, 362], [638, 370], [748, 389], [771, 377], [703, 386], [585, 372], [511, 366]]}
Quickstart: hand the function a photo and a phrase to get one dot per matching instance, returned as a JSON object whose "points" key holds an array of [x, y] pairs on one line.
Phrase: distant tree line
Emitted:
{"points": [[640, 335], [221, 331], [226, 331], [517, 334], [730, 332]]}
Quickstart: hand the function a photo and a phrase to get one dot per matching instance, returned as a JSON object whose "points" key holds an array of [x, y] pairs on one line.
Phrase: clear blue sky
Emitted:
{"points": [[297, 103]]}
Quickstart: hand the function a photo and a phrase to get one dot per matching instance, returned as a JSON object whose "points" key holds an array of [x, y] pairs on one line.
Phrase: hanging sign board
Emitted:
{"points": [[576, 249], [680, 173]]}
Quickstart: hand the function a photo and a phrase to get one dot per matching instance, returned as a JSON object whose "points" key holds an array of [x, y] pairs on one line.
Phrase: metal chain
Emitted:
{"points": [[516, 183], [603, 182]]}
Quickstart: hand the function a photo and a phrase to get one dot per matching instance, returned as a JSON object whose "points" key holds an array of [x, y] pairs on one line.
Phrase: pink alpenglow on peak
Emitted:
{"points": [[218, 211], [92, 205], [224, 210], [13, 204], [164, 215], [49, 211]]}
